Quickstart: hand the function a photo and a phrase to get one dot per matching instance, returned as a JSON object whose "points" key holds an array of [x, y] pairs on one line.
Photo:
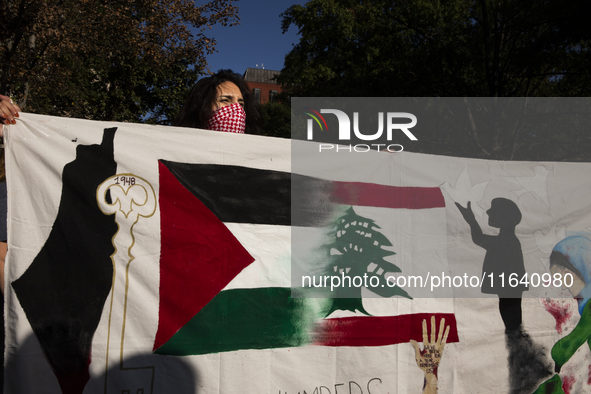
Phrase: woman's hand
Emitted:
{"points": [[8, 111]]}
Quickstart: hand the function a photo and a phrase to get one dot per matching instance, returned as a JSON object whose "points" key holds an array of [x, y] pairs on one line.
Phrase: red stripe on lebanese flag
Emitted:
{"points": [[374, 195], [381, 330]]}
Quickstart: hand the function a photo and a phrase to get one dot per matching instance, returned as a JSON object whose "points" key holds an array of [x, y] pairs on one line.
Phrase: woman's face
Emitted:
{"points": [[577, 285], [228, 94]]}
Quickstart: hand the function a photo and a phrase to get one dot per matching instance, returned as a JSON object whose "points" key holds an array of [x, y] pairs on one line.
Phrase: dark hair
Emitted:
{"points": [[197, 108]]}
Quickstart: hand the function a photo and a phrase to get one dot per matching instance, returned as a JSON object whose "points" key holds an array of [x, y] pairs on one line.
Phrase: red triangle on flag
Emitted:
{"points": [[199, 256]]}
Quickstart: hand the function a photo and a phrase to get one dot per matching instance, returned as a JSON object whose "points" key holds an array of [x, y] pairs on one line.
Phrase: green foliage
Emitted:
{"points": [[276, 120], [435, 48], [125, 60], [454, 48]]}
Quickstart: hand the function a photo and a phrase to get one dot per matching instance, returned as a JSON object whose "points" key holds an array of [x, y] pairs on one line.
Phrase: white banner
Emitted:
{"points": [[152, 259]]}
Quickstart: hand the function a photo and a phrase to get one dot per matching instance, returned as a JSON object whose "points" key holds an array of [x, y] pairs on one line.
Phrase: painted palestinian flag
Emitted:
{"points": [[205, 307]]}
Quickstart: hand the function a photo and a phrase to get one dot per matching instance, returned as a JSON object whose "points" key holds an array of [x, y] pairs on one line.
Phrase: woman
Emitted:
{"points": [[221, 102], [202, 108], [571, 258]]}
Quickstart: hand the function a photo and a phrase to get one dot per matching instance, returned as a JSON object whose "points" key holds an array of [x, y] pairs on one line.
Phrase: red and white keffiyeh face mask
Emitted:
{"points": [[231, 119]]}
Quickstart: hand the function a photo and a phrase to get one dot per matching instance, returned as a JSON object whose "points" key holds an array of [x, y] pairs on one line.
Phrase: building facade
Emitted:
{"points": [[262, 83]]}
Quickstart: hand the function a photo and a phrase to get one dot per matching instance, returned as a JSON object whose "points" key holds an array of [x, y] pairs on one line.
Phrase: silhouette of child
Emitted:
{"points": [[503, 257]]}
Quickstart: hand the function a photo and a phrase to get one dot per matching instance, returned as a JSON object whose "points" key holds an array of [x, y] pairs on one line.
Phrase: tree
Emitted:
{"points": [[276, 120], [126, 60], [456, 48], [359, 253], [495, 48]]}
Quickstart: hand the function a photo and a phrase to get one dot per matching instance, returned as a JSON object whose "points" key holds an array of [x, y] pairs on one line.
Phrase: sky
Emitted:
{"points": [[257, 42]]}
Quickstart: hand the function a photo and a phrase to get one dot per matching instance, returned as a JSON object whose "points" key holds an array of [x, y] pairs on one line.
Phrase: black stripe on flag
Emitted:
{"points": [[238, 194]]}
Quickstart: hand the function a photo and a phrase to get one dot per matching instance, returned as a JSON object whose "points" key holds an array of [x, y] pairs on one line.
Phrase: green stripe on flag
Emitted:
{"points": [[238, 319]]}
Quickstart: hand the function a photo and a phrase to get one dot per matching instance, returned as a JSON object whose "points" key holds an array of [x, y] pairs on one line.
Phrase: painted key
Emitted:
{"points": [[129, 198]]}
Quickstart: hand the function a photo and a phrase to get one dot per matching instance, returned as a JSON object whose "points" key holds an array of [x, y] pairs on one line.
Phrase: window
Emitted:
{"points": [[273, 95], [257, 95]]}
